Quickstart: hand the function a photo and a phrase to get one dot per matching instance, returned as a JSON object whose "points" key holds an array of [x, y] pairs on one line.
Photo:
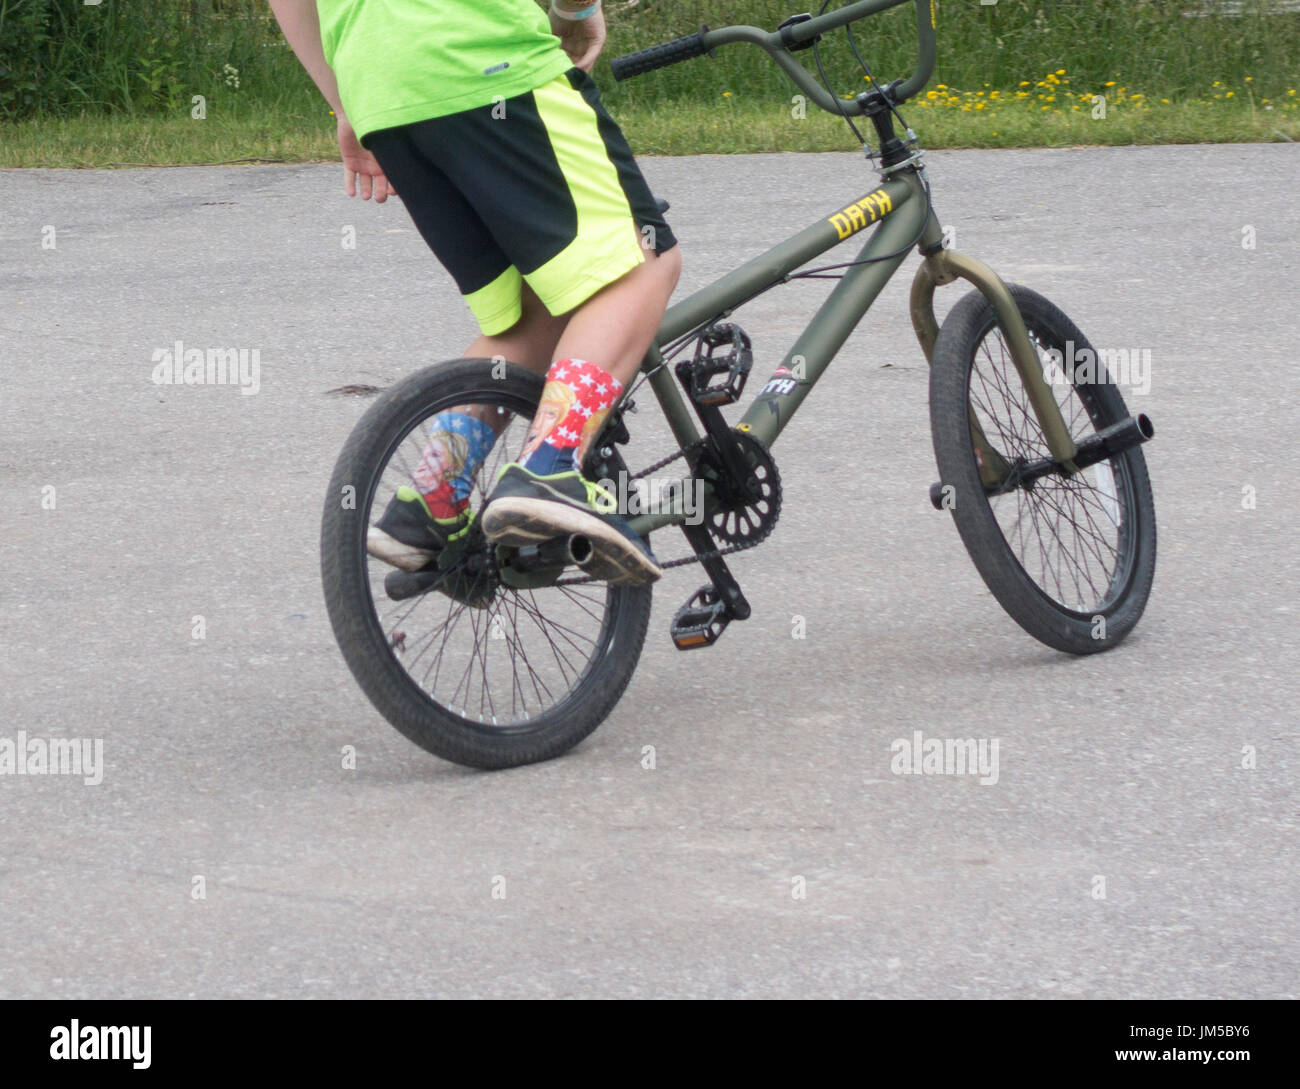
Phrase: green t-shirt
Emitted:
{"points": [[401, 61]]}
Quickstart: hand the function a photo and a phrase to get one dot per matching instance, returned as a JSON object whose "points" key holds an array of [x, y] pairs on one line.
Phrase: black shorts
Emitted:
{"points": [[540, 188]]}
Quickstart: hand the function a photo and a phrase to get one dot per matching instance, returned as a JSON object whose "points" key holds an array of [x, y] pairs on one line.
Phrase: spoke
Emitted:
{"points": [[554, 625], [1046, 566], [405, 473], [1066, 556], [1098, 535], [561, 662], [1058, 528], [578, 600], [559, 629], [482, 647], [549, 641], [454, 610], [532, 673], [402, 610], [517, 694]]}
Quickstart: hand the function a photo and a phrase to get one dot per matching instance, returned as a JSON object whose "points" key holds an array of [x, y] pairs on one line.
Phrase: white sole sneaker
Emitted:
{"points": [[392, 551], [516, 521]]}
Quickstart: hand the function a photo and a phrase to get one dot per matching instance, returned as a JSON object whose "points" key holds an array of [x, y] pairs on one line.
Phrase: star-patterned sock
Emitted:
{"points": [[575, 401], [458, 444]]}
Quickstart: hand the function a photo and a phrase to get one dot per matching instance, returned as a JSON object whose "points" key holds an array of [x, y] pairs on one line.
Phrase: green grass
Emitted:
{"points": [[111, 84], [1149, 42], [115, 141], [688, 128], [754, 127]]}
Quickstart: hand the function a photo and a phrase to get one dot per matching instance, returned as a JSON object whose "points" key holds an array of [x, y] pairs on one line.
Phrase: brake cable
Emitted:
{"points": [[819, 272]]}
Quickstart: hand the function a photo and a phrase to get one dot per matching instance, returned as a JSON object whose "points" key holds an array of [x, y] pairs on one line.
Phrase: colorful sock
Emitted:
{"points": [[575, 401], [458, 444]]}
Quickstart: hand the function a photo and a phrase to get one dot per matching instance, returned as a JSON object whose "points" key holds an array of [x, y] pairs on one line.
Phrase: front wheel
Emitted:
{"points": [[1071, 558], [471, 659]]}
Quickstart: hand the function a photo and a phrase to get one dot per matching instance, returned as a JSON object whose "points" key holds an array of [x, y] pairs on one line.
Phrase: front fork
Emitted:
{"points": [[943, 266]]}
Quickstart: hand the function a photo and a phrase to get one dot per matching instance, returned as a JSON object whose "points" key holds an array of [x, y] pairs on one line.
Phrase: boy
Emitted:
{"points": [[482, 115]]}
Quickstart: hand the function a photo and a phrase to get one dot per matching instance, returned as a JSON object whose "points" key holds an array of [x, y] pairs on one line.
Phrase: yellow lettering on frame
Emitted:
{"points": [[872, 207]]}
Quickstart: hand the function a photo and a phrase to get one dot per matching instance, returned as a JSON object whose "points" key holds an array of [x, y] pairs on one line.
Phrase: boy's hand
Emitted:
{"points": [[582, 39], [359, 163]]}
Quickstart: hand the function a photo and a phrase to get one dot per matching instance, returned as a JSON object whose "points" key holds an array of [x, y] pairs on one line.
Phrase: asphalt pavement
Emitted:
{"points": [[1140, 839]]}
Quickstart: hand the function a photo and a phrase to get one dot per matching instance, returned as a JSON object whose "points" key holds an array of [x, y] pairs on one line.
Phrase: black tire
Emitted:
{"points": [[1074, 518], [373, 459]]}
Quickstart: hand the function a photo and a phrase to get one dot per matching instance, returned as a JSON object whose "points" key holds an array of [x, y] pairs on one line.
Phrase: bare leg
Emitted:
{"points": [[530, 342], [611, 331], [614, 328]]}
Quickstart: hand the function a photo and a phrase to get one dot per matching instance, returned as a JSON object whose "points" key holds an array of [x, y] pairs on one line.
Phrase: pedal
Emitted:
{"points": [[723, 350], [701, 621], [400, 585]]}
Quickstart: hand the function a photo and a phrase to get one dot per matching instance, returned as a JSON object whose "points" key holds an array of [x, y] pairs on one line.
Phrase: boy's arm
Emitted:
{"points": [[301, 26], [582, 39]]}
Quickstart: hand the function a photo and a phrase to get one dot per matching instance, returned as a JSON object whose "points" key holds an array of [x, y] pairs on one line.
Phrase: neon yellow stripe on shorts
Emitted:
{"points": [[498, 306], [607, 245]]}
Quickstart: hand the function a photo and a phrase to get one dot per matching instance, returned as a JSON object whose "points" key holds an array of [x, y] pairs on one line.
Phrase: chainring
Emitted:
{"points": [[737, 523], [737, 517]]}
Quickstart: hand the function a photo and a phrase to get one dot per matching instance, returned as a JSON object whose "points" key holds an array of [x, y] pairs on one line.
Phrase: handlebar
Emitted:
{"points": [[778, 45], [660, 56]]}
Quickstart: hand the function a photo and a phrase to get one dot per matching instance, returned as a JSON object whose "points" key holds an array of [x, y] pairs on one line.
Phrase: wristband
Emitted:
{"points": [[574, 16]]}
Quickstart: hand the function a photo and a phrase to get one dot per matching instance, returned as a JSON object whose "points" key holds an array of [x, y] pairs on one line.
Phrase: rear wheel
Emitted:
{"points": [[486, 665], [1070, 558]]}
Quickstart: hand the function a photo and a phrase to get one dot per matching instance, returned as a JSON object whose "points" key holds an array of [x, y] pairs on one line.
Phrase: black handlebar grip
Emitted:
{"points": [[660, 56]]}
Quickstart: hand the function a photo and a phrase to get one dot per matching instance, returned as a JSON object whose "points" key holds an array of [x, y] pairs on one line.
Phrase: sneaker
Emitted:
{"points": [[526, 509], [408, 536]]}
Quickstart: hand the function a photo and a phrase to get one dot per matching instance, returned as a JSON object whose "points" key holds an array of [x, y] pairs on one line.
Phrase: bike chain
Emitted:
{"points": [[700, 557]]}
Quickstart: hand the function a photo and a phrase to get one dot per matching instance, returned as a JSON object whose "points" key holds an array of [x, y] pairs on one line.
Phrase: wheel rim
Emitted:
{"points": [[503, 665], [1072, 536]]}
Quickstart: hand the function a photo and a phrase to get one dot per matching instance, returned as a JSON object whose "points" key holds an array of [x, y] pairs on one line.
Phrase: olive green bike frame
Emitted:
{"points": [[898, 211]]}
